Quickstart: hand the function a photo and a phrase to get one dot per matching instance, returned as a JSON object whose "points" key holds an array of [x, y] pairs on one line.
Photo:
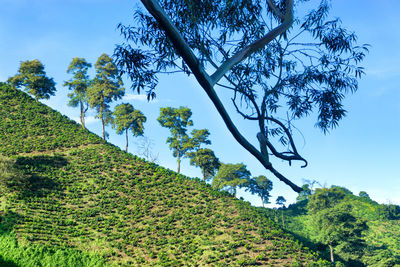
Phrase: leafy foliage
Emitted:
{"points": [[260, 186], [177, 120], [280, 200], [106, 87], [29, 128], [79, 84], [206, 160], [279, 66], [231, 176], [127, 118], [340, 230], [338, 207], [13, 254], [32, 77]]}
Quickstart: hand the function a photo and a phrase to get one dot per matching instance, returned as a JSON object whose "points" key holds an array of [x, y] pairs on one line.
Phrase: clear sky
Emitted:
{"points": [[361, 154]]}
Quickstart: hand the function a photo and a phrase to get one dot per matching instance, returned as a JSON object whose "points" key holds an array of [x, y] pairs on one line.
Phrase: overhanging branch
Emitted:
{"points": [[207, 83]]}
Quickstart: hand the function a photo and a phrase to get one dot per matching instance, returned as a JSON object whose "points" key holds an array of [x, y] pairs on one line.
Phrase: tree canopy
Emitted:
{"points": [[206, 160], [280, 200], [127, 118], [177, 120], [260, 186], [106, 87], [279, 66], [79, 85], [324, 198], [32, 77], [334, 224], [231, 176]]}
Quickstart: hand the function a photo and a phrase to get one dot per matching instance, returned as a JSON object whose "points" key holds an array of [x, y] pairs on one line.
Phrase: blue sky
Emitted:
{"points": [[361, 154]]}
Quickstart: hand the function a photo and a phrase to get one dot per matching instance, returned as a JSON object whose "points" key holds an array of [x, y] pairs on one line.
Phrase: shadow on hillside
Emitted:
{"points": [[7, 221], [38, 170], [41, 162], [7, 263]]}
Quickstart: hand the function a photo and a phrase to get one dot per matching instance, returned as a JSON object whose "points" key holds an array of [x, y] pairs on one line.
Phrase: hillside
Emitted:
{"points": [[84, 194]]}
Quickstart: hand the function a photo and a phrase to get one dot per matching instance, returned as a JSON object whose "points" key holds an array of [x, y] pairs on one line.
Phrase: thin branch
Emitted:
{"points": [[275, 9], [256, 45]]}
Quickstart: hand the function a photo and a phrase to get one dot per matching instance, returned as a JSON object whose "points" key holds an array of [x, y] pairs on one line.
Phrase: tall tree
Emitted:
{"points": [[32, 77], [127, 118], [106, 87], [337, 228], [231, 176], [79, 85], [280, 200], [305, 193], [206, 160], [260, 186], [279, 67], [177, 120], [324, 198], [334, 224]]}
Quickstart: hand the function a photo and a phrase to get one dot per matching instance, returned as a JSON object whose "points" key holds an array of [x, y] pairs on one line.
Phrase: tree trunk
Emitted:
{"points": [[331, 249], [262, 201], [204, 175], [82, 115], [179, 161], [102, 126], [126, 133]]}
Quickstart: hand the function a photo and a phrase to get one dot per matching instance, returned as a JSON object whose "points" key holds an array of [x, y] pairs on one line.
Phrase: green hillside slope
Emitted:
{"points": [[85, 194]]}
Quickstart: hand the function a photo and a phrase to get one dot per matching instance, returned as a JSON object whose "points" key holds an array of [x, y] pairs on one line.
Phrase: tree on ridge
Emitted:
{"points": [[260, 186], [79, 85], [206, 160], [127, 118], [177, 120], [106, 87], [32, 77], [231, 176]]}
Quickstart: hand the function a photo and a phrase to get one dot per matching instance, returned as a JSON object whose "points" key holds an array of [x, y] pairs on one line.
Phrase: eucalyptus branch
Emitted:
{"points": [[247, 117], [275, 9], [296, 155], [256, 45], [204, 80], [282, 155]]}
